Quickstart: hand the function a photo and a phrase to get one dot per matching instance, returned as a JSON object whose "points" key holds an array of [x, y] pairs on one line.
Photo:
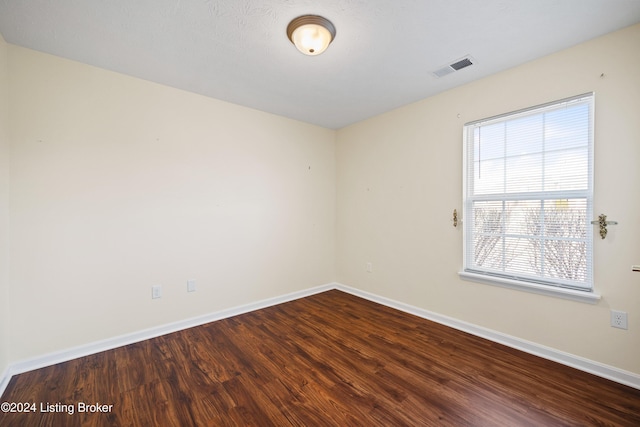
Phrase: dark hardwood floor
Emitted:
{"points": [[329, 359]]}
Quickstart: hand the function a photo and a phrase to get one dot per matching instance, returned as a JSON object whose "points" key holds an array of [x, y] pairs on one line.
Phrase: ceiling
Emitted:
{"points": [[383, 56]]}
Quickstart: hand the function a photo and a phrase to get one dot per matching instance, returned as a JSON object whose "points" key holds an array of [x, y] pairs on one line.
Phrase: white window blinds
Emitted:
{"points": [[528, 194]]}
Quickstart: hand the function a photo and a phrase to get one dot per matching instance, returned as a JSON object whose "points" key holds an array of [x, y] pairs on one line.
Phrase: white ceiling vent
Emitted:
{"points": [[455, 66]]}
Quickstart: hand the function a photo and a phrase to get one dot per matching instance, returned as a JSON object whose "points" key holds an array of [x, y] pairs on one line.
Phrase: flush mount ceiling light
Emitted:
{"points": [[311, 34]]}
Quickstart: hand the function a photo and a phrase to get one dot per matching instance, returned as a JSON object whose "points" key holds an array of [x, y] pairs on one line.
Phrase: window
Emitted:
{"points": [[528, 196]]}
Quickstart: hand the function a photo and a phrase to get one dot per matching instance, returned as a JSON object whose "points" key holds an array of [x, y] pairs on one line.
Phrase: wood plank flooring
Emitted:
{"points": [[330, 359]]}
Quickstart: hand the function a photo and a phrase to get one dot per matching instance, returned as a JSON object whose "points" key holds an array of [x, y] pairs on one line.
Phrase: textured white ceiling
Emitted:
{"points": [[383, 55]]}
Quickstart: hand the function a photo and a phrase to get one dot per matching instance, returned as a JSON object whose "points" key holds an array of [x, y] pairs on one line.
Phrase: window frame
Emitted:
{"points": [[545, 287]]}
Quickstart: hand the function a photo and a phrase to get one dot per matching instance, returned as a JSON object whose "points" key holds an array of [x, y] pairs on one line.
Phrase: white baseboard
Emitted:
{"points": [[596, 368], [609, 372], [119, 341]]}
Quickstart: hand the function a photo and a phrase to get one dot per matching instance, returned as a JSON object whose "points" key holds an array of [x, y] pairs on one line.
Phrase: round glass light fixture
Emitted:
{"points": [[311, 34]]}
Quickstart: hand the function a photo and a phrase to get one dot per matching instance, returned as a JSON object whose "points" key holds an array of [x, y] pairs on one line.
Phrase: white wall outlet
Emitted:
{"points": [[619, 319], [191, 285], [156, 291], [369, 267]]}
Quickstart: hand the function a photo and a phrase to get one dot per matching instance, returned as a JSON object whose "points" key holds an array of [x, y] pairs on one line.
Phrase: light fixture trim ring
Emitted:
{"points": [[310, 19]]}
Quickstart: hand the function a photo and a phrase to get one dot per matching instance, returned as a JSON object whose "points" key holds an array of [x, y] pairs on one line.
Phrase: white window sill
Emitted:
{"points": [[571, 294]]}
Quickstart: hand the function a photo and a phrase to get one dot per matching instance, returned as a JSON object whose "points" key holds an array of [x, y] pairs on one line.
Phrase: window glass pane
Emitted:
{"points": [[566, 259], [524, 135], [567, 170], [566, 218], [524, 173], [487, 231], [519, 260], [488, 251], [519, 217], [489, 176], [567, 128], [489, 142], [488, 218]]}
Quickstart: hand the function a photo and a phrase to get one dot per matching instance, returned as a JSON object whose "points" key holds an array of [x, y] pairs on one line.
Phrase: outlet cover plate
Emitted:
{"points": [[156, 291], [619, 319]]}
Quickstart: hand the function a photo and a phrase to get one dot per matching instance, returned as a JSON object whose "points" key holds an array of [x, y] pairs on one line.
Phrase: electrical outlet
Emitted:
{"points": [[156, 291], [619, 319], [191, 285], [369, 267]]}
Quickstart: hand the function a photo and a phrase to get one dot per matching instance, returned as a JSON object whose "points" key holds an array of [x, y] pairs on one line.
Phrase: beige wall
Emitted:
{"points": [[4, 209], [400, 177], [119, 184]]}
